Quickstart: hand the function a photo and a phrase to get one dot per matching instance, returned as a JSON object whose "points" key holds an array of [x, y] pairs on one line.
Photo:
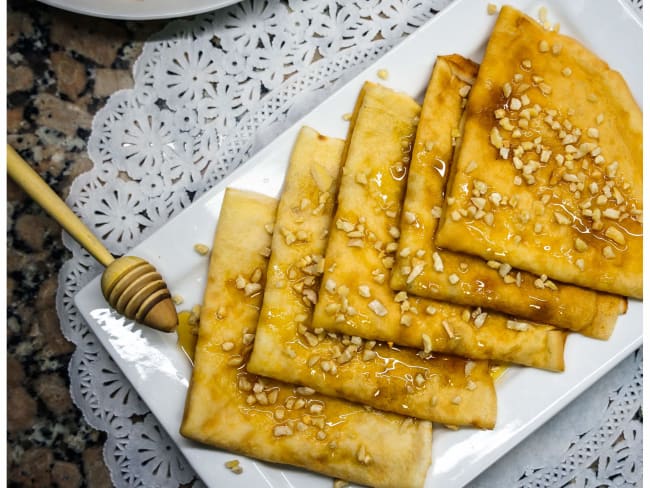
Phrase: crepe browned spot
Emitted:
{"points": [[230, 408], [423, 269], [552, 145]]}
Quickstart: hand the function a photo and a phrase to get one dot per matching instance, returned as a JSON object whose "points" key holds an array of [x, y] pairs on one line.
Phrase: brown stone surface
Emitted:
{"points": [[98, 40], [21, 142], [55, 344], [70, 74], [95, 470], [21, 409], [19, 78], [61, 68], [15, 119], [66, 475], [54, 393], [63, 116], [34, 469], [46, 297], [15, 372], [108, 81], [78, 164], [34, 230], [18, 24]]}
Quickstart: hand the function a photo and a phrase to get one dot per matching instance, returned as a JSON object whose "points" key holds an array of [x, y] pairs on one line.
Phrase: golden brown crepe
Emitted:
{"points": [[229, 408], [552, 144], [451, 391], [355, 296], [424, 269], [362, 241]]}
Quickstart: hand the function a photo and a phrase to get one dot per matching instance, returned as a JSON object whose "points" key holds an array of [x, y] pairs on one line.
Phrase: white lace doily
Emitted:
{"points": [[209, 92]]}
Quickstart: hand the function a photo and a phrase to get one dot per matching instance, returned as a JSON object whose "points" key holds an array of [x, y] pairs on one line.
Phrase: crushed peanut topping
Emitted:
{"points": [[234, 466], [201, 249], [480, 319], [515, 325], [437, 262], [378, 308], [427, 344]]}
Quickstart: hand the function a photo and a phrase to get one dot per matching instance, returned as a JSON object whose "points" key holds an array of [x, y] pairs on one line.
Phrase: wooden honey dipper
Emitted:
{"points": [[129, 284]]}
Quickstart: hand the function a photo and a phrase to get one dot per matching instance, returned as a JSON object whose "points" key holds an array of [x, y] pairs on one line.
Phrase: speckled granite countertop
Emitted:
{"points": [[61, 68]]}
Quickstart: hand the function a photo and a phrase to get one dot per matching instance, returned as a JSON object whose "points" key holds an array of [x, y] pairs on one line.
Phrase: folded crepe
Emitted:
{"points": [[355, 296], [551, 155], [230, 408], [425, 270], [451, 391]]}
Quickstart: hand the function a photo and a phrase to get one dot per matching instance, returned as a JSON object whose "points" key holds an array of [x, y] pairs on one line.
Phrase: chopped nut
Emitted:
{"points": [[378, 308], [580, 245], [252, 288], [491, 9], [504, 269], [480, 319], [362, 457], [202, 249], [431, 310], [256, 276], [543, 46], [305, 390], [515, 325], [415, 272], [437, 262], [282, 431], [368, 355], [234, 466], [240, 282], [611, 213], [616, 235], [427, 344], [561, 218]]}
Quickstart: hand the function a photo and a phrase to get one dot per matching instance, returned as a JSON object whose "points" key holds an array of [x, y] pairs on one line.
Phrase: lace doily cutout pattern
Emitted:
{"points": [[208, 93]]}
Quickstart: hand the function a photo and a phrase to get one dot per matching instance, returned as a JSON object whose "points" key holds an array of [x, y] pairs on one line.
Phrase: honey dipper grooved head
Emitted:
{"points": [[134, 288]]}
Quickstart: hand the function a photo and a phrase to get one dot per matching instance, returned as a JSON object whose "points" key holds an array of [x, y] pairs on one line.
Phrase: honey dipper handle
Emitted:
{"points": [[42, 194]]}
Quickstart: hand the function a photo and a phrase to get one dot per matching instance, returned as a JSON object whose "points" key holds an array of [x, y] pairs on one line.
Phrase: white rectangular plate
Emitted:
{"points": [[160, 372]]}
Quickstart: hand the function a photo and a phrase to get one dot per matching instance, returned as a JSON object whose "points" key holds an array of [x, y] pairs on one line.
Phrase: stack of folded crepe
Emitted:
{"points": [[370, 301]]}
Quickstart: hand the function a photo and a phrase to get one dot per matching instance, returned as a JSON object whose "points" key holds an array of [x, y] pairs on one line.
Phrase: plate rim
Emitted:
{"points": [[105, 10]]}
